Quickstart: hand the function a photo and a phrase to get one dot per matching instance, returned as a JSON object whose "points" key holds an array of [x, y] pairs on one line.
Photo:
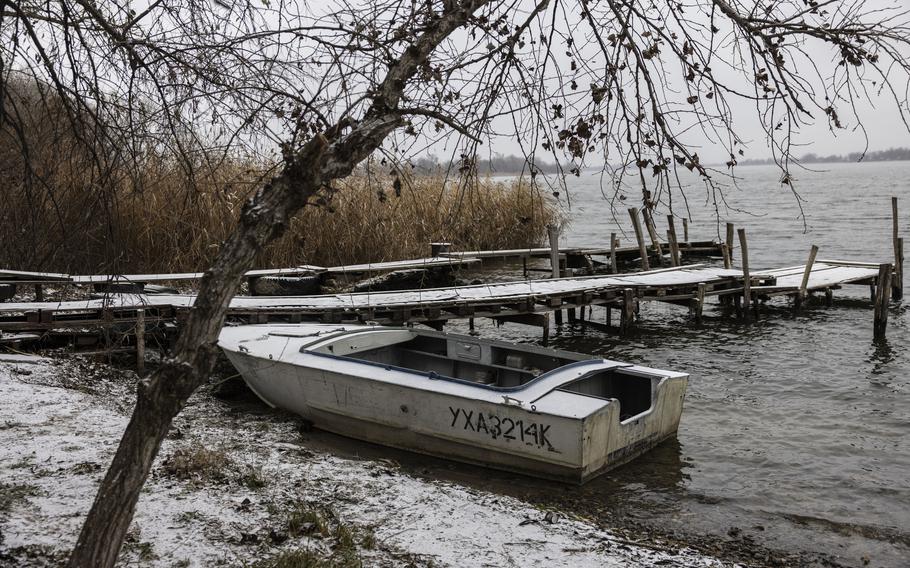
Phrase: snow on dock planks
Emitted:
{"points": [[527, 301]]}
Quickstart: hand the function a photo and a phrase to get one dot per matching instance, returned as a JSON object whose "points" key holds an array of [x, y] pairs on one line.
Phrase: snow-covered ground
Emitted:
{"points": [[60, 422]]}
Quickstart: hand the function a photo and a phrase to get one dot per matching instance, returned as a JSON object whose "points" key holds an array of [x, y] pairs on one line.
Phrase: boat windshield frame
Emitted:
{"points": [[601, 364]]}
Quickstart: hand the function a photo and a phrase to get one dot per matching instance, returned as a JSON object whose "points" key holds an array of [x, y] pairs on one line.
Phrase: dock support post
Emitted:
{"points": [[674, 241], [140, 341], [471, 324], [700, 301], [897, 288], [608, 316], [614, 265], [628, 310], [829, 297], [524, 266], [804, 284], [675, 259], [725, 251], [546, 328], [729, 242], [636, 224], [553, 233], [39, 293], [747, 279], [685, 230], [652, 232], [882, 297]]}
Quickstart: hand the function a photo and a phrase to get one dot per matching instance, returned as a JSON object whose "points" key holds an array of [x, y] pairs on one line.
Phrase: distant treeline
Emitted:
{"points": [[496, 165], [891, 154]]}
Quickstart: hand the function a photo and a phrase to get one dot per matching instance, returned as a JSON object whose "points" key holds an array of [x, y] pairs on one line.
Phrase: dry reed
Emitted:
{"points": [[158, 225], [77, 202]]}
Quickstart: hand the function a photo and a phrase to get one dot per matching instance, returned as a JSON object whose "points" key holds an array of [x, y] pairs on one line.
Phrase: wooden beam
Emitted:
{"points": [[882, 298], [553, 234], [747, 279], [804, 284], [628, 310], [898, 279], [140, 341], [652, 232], [642, 249], [614, 266]]}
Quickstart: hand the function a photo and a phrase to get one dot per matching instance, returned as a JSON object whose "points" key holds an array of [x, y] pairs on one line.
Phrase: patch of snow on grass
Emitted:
{"points": [[57, 437]]}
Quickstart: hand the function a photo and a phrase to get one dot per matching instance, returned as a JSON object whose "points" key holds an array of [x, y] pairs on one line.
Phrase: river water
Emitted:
{"points": [[796, 429]]}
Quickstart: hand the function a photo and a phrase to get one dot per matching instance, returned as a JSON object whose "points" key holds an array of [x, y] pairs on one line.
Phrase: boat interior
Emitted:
{"points": [[491, 364]]}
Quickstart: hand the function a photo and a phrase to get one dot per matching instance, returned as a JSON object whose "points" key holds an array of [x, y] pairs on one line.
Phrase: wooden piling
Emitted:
{"points": [[140, 341], [898, 292], [652, 232], [546, 328], [628, 310], [39, 293], [804, 284], [729, 241], [725, 251], [898, 279], [747, 279], [685, 230], [675, 257], [882, 297], [829, 297], [614, 265], [642, 249], [699, 302], [553, 234]]}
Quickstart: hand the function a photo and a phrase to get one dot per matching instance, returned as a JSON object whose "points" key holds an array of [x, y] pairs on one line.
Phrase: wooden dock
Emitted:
{"points": [[528, 301]]}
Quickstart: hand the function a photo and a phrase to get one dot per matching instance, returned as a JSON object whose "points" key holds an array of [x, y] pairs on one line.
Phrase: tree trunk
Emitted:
{"points": [[324, 158], [161, 396]]}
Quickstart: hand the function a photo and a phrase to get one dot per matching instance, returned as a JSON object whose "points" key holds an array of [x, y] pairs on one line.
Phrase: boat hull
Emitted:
{"points": [[354, 400]]}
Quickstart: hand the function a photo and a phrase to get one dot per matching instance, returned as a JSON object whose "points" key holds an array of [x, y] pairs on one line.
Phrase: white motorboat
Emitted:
{"points": [[521, 408]]}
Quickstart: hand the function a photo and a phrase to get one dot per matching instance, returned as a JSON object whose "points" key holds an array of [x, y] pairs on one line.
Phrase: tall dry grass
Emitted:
{"points": [[153, 223], [79, 196]]}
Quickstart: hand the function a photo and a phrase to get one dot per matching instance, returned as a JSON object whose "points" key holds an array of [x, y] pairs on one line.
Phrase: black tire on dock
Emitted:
{"points": [[119, 287], [7, 291], [285, 286]]}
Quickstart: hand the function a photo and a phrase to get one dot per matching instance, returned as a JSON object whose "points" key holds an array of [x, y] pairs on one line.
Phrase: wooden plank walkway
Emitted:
{"points": [[526, 301], [482, 293], [23, 277], [825, 274]]}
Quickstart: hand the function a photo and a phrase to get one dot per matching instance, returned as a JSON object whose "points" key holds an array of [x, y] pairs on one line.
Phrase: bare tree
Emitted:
{"points": [[629, 83]]}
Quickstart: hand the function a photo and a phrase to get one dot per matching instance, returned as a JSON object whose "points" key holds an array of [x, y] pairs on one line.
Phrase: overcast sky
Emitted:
{"points": [[881, 117]]}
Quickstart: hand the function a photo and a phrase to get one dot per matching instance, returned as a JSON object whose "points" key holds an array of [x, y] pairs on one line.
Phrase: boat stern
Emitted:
{"points": [[625, 429]]}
